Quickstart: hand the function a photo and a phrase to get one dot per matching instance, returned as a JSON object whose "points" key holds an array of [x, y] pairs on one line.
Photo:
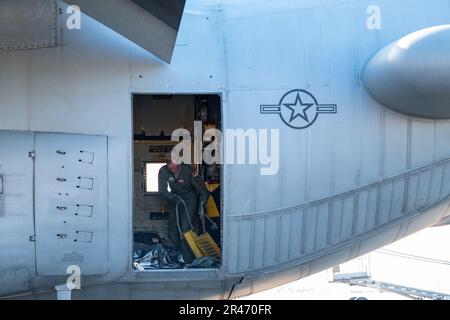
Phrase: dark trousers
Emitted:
{"points": [[174, 234]]}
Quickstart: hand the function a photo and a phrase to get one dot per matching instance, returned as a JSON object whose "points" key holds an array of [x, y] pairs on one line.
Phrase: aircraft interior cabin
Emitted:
{"points": [[156, 117]]}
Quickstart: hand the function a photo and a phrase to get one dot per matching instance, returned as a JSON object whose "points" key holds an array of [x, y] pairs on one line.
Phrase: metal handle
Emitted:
{"points": [[181, 201], [61, 179], [1, 184], [203, 216], [61, 208]]}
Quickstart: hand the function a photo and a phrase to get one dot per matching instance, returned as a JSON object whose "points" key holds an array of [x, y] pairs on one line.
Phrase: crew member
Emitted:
{"points": [[177, 183]]}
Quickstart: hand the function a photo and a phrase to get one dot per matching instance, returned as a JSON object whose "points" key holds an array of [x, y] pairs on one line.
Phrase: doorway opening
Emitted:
{"points": [[166, 233]]}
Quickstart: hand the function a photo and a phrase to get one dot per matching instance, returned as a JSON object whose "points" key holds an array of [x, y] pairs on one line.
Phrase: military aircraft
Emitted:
{"points": [[347, 104]]}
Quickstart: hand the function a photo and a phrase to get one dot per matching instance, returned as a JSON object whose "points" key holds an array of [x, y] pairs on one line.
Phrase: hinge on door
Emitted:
{"points": [[32, 154], [33, 238]]}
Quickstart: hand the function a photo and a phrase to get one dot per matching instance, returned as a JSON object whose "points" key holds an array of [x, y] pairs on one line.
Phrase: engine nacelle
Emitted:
{"points": [[412, 75]]}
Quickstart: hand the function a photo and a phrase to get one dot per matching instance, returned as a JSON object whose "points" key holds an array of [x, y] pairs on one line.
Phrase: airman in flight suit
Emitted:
{"points": [[181, 181]]}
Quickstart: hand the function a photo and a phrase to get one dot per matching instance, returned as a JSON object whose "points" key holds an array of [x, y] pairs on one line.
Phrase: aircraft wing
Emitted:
{"points": [[151, 24]]}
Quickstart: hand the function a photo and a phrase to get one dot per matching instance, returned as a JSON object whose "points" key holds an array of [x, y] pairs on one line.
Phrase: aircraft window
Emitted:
{"points": [[151, 176]]}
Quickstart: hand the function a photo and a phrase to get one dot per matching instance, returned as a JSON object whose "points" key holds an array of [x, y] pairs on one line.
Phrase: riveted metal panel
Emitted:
{"points": [[16, 211], [27, 24], [65, 183]]}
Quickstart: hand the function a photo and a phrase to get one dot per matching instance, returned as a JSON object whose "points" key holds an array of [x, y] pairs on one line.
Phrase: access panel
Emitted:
{"points": [[16, 211], [71, 206], [27, 24]]}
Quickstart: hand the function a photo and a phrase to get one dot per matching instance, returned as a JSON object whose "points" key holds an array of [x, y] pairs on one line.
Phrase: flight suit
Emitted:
{"points": [[190, 187]]}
